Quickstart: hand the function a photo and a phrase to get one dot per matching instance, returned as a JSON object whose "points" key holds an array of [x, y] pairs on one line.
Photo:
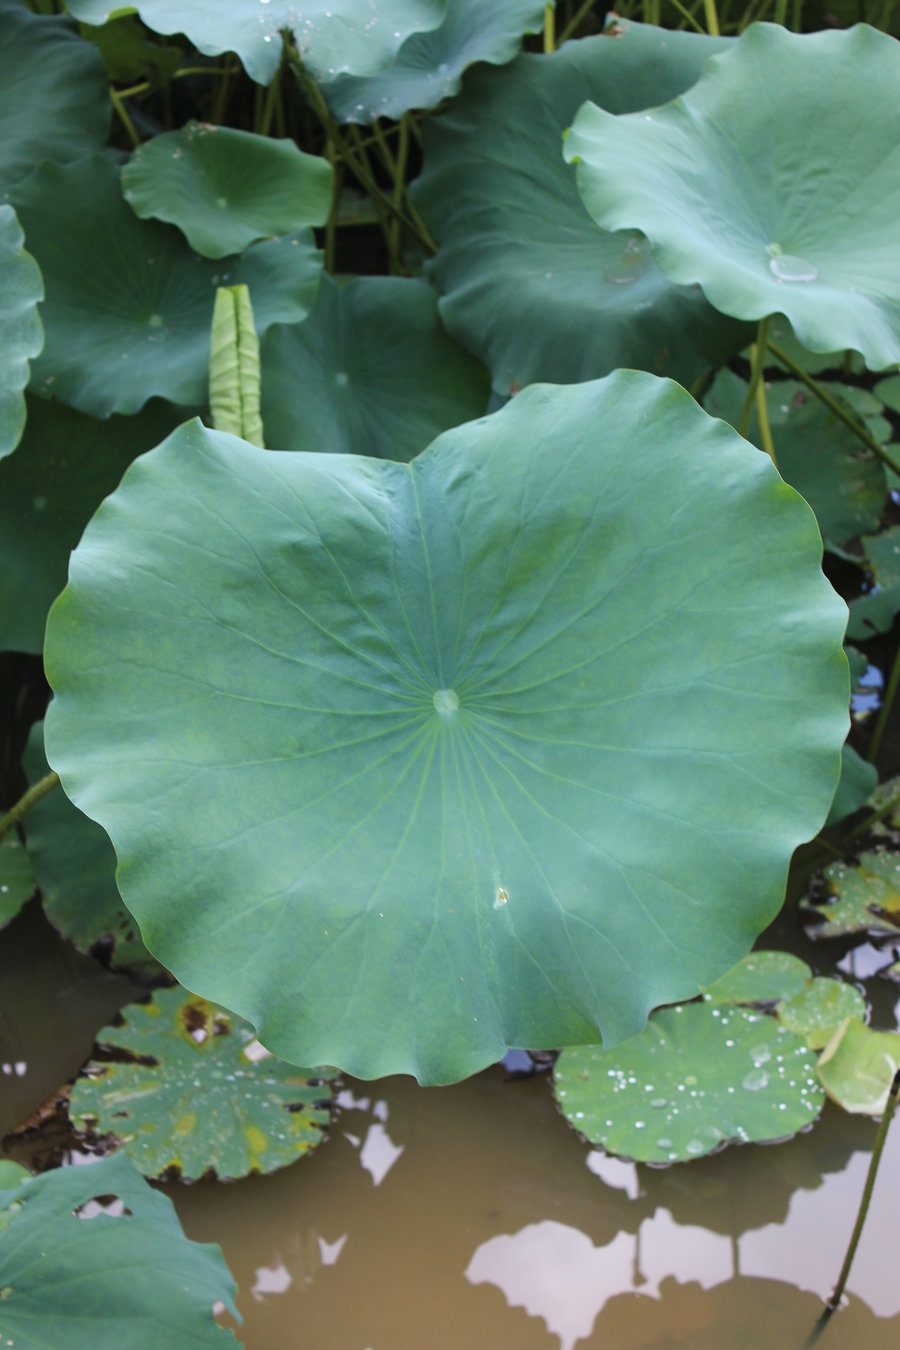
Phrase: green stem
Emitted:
{"points": [[124, 117], [400, 181], [762, 417], [27, 800], [268, 112], [549, 28], [780, 11], [834, 406], [200, 70], [712, 17], [757, 358], [686, 13], [887, 704], [331, 223], [220, 101], [838, 1292], [573, 23]]}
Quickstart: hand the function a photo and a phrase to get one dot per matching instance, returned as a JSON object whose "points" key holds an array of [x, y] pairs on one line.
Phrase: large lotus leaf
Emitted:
{"points": [[191, 1090], [21, 334], [429, 66], [225, 189], [457, 749], [759, 186], [81, 1270], [858, 1066], [817, 454], [54, 100], [874, 612], [332, 36], [761, 977], [16, 877], [529, 282], [817, 1011], [64, 466], [866, 897], [129, 306], [697, 1077], [370, 372], [75, 867]]}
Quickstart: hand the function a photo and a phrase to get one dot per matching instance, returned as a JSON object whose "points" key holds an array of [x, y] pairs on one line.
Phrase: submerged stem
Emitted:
{"points": [[27, 800]]}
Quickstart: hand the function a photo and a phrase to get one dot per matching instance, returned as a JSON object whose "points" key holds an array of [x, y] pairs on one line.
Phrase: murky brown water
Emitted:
{"points": [[471, 1216]]}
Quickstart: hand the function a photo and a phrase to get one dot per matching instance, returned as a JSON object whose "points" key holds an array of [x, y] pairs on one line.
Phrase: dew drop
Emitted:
{"points": [[695, 1147], [630, 264], [790, 267], [755, 1080], [658, 1102]]}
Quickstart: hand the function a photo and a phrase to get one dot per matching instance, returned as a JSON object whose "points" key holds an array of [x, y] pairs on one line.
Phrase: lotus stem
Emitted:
{"points": [[757, 361], [573, 23], [125, 117], [884, 713], [762, 417], [268, 112], [712, 21], [549, 28], [27, 800]]}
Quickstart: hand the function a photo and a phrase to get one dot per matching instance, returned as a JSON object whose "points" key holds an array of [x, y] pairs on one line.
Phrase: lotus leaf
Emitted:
{"points": [[190, 1089], [530, 285], [21, 334], [130, 54], [370, 372], [54, 101], [866, 898], [11, 1174], [75, 867], [333, 36], [234, 378], [696, 1078], [429, 66], [433, 728], [817, 454], [16, 877], [858, 1066], [888, 391], [756, 184], [79, 1270], [225, 189], [761, 977], [874, 612], [817, 1011], [858, 778], [147, 298]]}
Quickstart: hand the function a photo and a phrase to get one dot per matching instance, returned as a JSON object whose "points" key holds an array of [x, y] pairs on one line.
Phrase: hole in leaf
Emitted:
{"points": [[109, 1205]]}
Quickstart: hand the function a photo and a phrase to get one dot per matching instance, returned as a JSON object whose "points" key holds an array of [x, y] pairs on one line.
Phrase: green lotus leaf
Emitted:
{"points": [[858, 1066], [54, 100], [75, 866], [761, 977], [427, 738], [529, 283], [754, 186], [16, 877], [857, 780], [429, 66], [145, 298], [370, 372], [332, 36], [21, 334], [64, 466], [874, 612], [225, 189], [696, 1078], [130, 54], [888, 391], [81, 1270], [191, 1090], [817, 454], [866, 898], [11, 1174], [817, 1011], [869, 410]]}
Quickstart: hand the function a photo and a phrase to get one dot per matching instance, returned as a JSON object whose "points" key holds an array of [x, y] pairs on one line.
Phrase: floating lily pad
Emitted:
{"points": [[75, 866], [370, 372], [874, 612], [65, 465], [755, 186], [191, 1090], [16, 877], [429, 66], [858, 1066], [332, 36], [761, 977], [817, 454], [696, 1078], [530, 285], [817, 1011], [225, 189], [21, 334], [145, 297], [93, 1256], [866, 898], [54, 99], [858, 778], [432, 728]]}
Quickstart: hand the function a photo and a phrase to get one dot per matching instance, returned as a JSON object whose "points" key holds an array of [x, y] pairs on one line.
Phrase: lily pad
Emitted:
{"points": [[93, 1256], [332, 36], [75, 866], [530, 285], [761, 977], [370, 372], [146, 298], [696, 1078], [858, 1066], [866, 898], [54, 99], [16, 877], [817, 454], [21, 334], [425, 738], [191, 1090], [874, 612], [817, 1011], [225, 189], [755, 186], [429, 66]]}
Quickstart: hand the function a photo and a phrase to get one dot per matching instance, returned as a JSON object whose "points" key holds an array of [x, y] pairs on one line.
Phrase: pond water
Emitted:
{"points": [[472, 1216]]}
